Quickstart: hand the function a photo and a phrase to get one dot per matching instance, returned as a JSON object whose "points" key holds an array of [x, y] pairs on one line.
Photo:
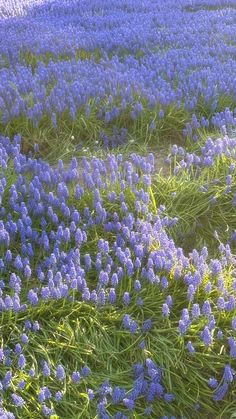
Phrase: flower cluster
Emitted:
{"points": [[19, 371], [49, 215], [92, 236], [147, 384], [211, 152], [163, 55]]}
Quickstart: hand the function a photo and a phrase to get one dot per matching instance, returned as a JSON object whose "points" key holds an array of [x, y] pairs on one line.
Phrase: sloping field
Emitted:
{"points": [[117, 209]]}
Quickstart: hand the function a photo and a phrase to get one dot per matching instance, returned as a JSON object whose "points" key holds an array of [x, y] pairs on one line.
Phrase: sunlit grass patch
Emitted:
{"points": [[32, 60], [119, 263]]}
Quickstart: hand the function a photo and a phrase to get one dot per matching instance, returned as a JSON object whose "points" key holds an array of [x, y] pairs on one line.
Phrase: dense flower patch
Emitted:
{"points": [[90, 233], [127, 57], [117, 284]]}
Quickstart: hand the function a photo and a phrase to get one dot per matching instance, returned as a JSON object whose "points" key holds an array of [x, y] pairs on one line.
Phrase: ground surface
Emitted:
{"points": [[117, 209]]}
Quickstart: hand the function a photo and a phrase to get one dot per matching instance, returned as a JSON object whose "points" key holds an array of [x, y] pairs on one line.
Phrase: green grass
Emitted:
{"points": [[72, 136], [209, 8], [75, 333], [86, 131], [32, 60], [198, 217]]}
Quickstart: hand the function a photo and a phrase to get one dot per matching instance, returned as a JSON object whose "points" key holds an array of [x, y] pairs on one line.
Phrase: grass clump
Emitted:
{"points": [[82, 289], [118, 280], [32, 60]]}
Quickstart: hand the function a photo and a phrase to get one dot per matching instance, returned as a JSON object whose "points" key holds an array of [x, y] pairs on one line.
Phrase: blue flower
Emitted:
{"points": [[221, 392], [147, 325], [60, 373], [24, 338], [212, 382], [85, 371], [58, 396], [206, 336], [46, 369], [165, 310], [21, 385], [91, 394], [112, 296], [129, 403], [126, 298], [190, 347], [228, 374], [17, 400], [21, 361], [76, 377]]}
